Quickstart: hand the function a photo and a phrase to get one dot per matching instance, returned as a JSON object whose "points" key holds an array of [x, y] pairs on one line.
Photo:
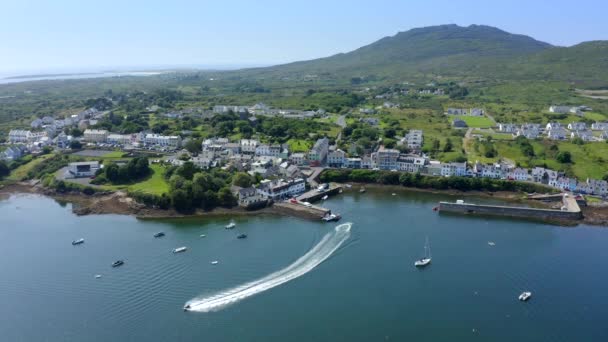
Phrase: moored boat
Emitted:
{"points": [[242, 236], [159, 234], [426, 260], [230, 225], [214, 262], [118, 263], [332, 218], [180, 249], [524, 296], [77, 242]]}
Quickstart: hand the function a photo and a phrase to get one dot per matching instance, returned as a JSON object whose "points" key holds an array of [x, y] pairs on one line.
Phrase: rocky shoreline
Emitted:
{"points": [[120, 203]]}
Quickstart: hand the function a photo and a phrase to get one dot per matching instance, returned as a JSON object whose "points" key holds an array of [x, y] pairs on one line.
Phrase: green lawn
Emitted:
{"points": [[155, 184], [299, 145], [475, 121]]}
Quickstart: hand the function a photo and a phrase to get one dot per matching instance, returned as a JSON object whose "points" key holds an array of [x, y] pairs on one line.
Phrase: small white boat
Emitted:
{"points": [[97, 276], [214, 262], [202, 235], [348, 186], [394, 194], [491, 243], [524, 296], [230, 225], [180, 249], [426, 260], [362, 190], [325, 197]]}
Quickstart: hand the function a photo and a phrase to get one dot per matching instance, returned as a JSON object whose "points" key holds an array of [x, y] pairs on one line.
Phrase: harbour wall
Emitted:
{"points": [[572, 211]]}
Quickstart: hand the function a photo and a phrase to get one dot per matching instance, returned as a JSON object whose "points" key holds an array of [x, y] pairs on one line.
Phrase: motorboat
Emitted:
{"points": [[491, 243], [242, 236], [362, 190], [77, 242], [524, 296], [348, 186], [159, 234], [97, 276], [426, 260], [180, 249], [394, 194], [332, 217], [118, 263], [325, 197], [230, 225], [202, 235], [214, 262], [187, 307]]}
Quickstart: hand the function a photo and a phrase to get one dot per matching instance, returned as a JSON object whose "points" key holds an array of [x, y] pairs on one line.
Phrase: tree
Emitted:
{"points": [[242, 179], [226, 198], [187, 170], [448, 146], [564, 157], [193, 146], [4, 169], [389, 133], [75, 145], [180, 200], [47, 149], [75, 132]]}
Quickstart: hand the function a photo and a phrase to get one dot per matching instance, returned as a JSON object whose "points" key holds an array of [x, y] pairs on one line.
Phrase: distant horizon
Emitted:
{"points": [[41, 36]]}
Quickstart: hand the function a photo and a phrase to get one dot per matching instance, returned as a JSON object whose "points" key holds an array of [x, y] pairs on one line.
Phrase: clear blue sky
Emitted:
{"points": [[78, 34]]}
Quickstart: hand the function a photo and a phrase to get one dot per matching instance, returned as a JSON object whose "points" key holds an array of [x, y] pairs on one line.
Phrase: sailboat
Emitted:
{"points": [[427, 256]]}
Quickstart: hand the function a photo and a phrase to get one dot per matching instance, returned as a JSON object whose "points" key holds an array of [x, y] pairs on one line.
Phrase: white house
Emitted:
{"points": [[410, 163], [336, 158], [556, 134], [298, 158], [577, 126], [249, 145], [553, 125], [507, 128], [599, 126], [281, 189], [386, 158], [319, 151], [96, 135], [519, 174], [585, 135], [19, 136], [172, 141], [413, 139], [454, 169]]}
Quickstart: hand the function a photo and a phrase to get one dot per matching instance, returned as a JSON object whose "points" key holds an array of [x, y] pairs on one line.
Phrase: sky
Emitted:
{"points": [[81, 35]]}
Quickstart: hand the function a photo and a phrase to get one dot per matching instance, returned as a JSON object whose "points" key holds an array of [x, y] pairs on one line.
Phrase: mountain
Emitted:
{"points": [[452, 50]]}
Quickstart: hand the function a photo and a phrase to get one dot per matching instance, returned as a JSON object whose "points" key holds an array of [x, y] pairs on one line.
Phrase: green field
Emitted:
{"points": [[475, 121], [155, 184], [21, 172], [299, 145]]}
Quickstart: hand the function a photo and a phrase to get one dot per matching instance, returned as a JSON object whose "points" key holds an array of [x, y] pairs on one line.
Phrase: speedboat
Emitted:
{"points": [[491, 243], [180, 249], [524, 296], [394, 194], [230, 225], [325, 197], [202, 235], [118, 263], [214, 262], [97, 276], [242, 236], [362, 190], [332, 217], [159, 234], [187, 307], [77, 242]]}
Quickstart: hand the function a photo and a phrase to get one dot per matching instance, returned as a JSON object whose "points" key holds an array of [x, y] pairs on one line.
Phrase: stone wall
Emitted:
{"points": [[573, 213]]}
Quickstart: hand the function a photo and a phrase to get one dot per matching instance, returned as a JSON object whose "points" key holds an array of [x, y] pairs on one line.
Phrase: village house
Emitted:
{"points": [[477, 112], [577, 126], [454, 169], [352, 163], [120, 139], [560, 109], [19, 136], [13, 152], [542, 175], [410, 163], [507, 128], [457, 111], [319, 151], [367, 162], [585, 135], [172, 141], [249, 145], [37, 123], [370, 121], [336, 158], [597, 187], [557, 134], [553, 125], [599, 126], [298, 158], [519, 174], [413, 139], [386, 158], [281, 189]]}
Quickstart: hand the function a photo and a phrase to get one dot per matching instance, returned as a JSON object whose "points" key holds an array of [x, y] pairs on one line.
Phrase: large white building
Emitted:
{"points": [[249, 145], [413, 139], [454, 169], [172, 141], [82, 169], [96, 135], [336, 158], [19, 136], [319, 151], [386, 158], [281, 189]]}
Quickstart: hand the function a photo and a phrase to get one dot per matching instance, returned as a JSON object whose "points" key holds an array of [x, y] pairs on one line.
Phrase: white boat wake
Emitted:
{"points": [[306, 263]]}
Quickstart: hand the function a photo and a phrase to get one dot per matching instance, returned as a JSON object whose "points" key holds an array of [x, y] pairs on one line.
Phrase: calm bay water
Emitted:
{"points": [[368, 290]]}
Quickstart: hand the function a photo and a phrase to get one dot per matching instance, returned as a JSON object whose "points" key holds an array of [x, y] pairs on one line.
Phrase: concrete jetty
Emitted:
{"points": [[301, 210], [316, 195], [570, 210]]}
